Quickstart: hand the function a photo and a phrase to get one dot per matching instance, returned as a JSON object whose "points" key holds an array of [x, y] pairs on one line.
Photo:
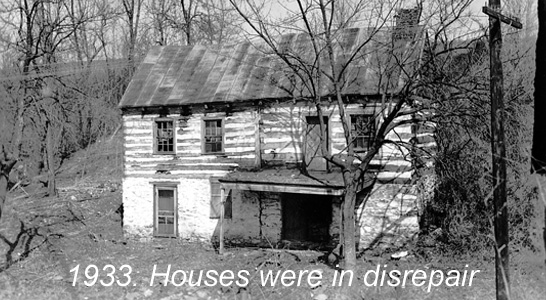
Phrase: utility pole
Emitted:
{"points": [[498, 147]]}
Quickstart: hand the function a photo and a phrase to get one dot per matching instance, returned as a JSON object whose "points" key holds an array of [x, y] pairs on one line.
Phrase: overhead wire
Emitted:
{"points": [[60, 73], [76, 67]]}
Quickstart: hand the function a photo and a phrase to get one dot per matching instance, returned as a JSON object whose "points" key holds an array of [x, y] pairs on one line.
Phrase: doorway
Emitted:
{"points": [[306, 218], [165, 211]]}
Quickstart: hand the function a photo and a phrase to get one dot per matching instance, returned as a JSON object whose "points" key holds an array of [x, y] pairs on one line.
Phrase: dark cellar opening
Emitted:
{"points": [[306, 218]]}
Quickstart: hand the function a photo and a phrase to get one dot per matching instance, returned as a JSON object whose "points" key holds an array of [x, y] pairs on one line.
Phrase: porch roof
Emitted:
{"points": [[287, 181]]}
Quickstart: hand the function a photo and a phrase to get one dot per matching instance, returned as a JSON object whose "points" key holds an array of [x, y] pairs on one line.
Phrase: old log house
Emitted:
{"points": [[204, 122]]}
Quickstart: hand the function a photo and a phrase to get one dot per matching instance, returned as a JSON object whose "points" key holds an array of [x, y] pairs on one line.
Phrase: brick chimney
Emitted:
{"points": [[407, 22]]}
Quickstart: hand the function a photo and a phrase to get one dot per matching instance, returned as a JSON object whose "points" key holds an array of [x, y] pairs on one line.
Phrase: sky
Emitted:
{"points": [[475, 7], [477, 22]]}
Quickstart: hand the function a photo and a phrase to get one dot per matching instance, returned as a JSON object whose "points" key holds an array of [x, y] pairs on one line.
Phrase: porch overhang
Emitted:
{"points": [[283, 188], [286, 181]]}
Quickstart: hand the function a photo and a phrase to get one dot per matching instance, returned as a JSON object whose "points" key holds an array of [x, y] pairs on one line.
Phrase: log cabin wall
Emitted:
{"points": [[391, 213], [188, 169], [391, 210], [281, 130], [239, 146], [282, 134], [248, 90]]}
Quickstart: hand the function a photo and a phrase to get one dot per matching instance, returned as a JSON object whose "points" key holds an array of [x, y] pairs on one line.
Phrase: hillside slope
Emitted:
{"points": [[102, 161]]}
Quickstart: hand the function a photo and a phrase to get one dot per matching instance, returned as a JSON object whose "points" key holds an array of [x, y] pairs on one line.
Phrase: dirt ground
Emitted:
{"points": [[46, 239], [72, 247]]}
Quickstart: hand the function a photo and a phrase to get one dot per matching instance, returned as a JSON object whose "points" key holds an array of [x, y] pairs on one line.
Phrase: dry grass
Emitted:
{"points": [[82, 227]]}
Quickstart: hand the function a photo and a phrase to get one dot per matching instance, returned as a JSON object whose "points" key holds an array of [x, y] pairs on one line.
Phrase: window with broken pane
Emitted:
{"points": [[362, 131], [164, 137], [213, 136]]}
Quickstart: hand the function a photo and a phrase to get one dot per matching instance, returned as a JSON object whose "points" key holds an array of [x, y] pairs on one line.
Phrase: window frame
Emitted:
{"points": [[165, 186], [155, 129], [371, 132], [203, 135]]}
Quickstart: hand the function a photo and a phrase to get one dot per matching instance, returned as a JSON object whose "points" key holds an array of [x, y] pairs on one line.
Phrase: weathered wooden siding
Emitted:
{"points": [[389, 214], [281, 132], [187, 168], [282, 135], [140, 161]]}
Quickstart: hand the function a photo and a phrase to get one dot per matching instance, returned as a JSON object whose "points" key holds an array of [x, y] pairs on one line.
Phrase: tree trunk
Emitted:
{"points": [[349, 226], [132, 11], [3, 191], [50, 155], [6, 164]]}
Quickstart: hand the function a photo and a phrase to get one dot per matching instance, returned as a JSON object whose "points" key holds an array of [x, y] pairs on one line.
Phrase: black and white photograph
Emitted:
{"points": [[272, 149]]}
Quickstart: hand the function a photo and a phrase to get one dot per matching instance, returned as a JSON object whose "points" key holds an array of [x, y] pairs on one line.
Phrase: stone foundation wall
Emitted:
{"points": [[138, 209], [256, 219], [193, 197], [256, 216], [245, 213], [388, 216], [271, 217], [335, 226]]}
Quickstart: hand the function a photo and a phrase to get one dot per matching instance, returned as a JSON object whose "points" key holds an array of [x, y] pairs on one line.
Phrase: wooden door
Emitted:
{"points": [[313, 144], [165, 211]]}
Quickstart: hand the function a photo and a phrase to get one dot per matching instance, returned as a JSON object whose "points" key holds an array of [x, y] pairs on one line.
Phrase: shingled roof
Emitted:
{"points": [[197, 74]]}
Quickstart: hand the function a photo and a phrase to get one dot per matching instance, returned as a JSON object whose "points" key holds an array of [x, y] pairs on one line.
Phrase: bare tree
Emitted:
{"points": [[88, 21], [132, 10], [219, 22], [7, 161], [159, 11], [197, 21], [40, 32], [323, 24]]}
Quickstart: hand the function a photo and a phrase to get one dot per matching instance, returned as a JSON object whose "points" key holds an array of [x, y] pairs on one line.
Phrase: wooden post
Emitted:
{"points": [[538, 152], [498, 147], [257, 138], [222, 206]]}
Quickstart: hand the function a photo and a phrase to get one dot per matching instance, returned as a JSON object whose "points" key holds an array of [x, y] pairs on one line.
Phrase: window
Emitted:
{"points": [[363, 131], [213, 136], [216, 201], [164, 136], [165, 211]]}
